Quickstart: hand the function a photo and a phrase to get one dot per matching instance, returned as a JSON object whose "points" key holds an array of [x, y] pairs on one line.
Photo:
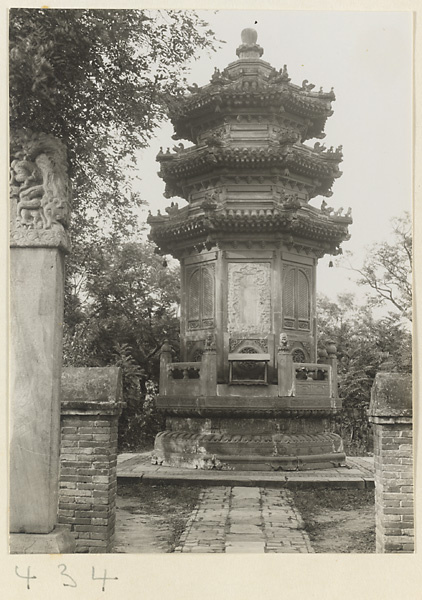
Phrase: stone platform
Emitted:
{"points": [[358, 473]]}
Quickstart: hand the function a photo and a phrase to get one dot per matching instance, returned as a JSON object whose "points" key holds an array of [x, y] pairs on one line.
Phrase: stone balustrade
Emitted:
{"points": [[200, 378], [194, 378], [312, 380]]}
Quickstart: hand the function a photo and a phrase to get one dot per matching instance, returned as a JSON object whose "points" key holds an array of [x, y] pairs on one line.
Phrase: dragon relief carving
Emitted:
{"points": [[39, 190]]}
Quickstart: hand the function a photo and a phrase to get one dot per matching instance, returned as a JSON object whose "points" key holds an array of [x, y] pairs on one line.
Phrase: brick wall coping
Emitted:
{"points": [[91, 408], [391, 396], [91, 391]]}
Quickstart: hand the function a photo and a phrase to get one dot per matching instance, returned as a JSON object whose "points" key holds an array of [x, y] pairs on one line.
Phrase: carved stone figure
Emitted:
{"points": [[319, 147], [173, 209], [325, 209], [178, 148], [284, 345], [307, 86], [210, 343], [39, 187]]}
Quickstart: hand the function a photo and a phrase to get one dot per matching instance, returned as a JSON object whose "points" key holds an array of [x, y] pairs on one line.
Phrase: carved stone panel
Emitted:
{"points": [[260, 344], [249, 297]]}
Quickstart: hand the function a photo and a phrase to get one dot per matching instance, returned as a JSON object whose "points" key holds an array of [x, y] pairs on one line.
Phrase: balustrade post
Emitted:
{"points": [[285, 368], [165, 360], [208, 374], [332, 361]]}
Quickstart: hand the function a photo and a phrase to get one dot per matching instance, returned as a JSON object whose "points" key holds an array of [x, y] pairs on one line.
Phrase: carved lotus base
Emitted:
{"points": [[247, 452]]}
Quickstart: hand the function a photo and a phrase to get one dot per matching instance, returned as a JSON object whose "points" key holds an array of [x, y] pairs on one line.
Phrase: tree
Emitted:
{"points": [[121, 314], [363, 345], [100, 80], [387, 270]]}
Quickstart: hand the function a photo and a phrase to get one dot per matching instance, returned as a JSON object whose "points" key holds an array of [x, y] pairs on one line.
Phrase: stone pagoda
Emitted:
{"points": [[252, 391]]}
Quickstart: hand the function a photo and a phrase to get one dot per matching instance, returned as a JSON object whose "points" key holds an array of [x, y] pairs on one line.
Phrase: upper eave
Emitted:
{"points": [[312, 107]]}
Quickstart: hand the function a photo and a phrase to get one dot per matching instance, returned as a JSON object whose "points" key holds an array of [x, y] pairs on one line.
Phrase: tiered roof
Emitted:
{"points": [[249, 170]]}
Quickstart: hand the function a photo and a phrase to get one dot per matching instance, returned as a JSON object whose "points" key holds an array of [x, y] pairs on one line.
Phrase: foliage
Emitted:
{"points": [[363, 345], [120, 315], [139, 421], [387, 270], [100, 80]]}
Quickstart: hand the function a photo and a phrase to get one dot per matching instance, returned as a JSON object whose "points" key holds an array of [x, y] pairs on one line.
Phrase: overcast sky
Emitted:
{"points": [[366, 57]]}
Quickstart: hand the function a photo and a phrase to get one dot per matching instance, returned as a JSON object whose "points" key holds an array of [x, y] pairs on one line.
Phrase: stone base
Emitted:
{"points": [[59, 541], [276, 452]]}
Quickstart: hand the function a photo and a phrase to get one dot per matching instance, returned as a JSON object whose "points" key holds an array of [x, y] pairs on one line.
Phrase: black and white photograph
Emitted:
{"points": [[210, 277]]}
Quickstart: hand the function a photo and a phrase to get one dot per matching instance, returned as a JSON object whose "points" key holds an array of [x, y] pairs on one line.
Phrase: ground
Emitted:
{"points": [[151, 518], [340, 521]]}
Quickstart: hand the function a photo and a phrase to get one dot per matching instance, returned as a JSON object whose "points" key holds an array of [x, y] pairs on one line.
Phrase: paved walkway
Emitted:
{"points": [[359, 473], [245, 519]]}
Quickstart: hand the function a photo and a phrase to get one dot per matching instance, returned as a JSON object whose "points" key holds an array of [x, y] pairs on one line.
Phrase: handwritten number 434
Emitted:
{"points": [[68, 580]]}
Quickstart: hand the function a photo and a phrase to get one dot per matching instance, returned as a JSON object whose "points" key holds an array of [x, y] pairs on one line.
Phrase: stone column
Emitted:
{"points": [[91, 406], [40, 209], [390, 412]]}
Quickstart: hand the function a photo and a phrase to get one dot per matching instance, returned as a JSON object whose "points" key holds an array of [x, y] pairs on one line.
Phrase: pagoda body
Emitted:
{"points": [[251, 391]]}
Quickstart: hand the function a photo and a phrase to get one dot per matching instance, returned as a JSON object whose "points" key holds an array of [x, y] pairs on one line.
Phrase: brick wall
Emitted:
{"points": [[88, 477], [391, 416]]}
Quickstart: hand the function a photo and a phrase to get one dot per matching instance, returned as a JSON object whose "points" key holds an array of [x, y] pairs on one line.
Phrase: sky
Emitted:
{"points": [[367, 58]]}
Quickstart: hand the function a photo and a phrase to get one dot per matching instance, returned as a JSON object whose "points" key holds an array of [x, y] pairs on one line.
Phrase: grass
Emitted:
{"points": [[173, 504]]}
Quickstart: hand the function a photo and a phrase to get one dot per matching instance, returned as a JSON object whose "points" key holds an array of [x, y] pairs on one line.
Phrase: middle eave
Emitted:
{"points": [[201, 161]]}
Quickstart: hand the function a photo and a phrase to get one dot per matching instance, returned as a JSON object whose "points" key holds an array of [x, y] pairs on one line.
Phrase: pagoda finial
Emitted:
{"points": [[249, 36], [249, 48]]}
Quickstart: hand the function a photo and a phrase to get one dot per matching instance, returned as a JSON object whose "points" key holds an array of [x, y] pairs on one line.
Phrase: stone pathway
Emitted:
{"points": [[244, 519]]}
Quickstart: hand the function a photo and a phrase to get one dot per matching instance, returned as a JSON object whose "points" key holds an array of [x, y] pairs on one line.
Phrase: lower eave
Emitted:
{"points": [[215, 226]]}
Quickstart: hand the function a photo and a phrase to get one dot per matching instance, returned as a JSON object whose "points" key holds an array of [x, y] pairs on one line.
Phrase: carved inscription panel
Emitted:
{"points": [[249, 297]]}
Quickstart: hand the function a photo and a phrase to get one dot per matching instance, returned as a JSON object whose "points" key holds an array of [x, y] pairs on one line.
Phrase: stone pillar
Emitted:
{"points": [[91, 406], [390, 412], [40, 209]]}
